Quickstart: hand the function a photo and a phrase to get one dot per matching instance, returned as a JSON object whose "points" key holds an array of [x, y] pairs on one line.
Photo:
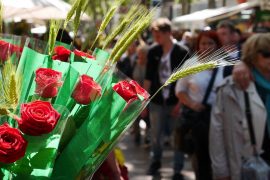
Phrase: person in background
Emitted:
{"points": [[128, 61], [187, 40], [138, 75], [163, 57], [226, 33], [191, 92], [229, 135]]}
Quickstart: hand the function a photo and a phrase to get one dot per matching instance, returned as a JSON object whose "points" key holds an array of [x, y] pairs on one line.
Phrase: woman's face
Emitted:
{"points": [[207, 44], [262, 62]]}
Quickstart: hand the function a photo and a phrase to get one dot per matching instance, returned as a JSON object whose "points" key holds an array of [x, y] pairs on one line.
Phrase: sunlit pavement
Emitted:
{"points": [[137, 161]]}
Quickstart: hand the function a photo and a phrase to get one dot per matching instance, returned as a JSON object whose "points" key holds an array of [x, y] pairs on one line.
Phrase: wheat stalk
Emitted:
{"points": [[79, 11], [54, 28], [126, 35], [134, 31], [13, 97], [193, 66], [1, 16], [133, 36], [71, 12], [109, 15], [10, 86], [132, 14]]}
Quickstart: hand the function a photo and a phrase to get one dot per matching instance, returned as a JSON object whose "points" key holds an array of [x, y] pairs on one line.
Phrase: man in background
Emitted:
{"points": [[163, 57]]}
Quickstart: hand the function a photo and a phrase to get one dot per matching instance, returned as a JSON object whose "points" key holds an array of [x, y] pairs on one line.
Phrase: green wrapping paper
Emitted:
{"points": [[41, 152], [108, 119]]}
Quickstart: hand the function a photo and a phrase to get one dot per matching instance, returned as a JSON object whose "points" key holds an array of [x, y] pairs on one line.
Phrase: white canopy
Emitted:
{"points": [[36, 9], [200, 19]]}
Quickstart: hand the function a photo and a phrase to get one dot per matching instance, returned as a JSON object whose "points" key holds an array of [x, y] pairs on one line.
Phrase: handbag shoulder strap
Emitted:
{"points": [[210, 86], [249, 121]]}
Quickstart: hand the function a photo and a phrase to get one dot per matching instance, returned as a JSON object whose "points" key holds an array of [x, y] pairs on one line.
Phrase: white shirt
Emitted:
{"points": [[195, 85], [165, 72]]}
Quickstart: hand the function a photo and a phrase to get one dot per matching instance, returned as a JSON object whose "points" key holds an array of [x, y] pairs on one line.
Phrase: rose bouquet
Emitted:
{"points": [[80, 83]]}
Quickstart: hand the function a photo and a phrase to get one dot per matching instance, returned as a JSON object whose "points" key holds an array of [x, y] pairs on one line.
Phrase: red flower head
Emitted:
{"points": [[47, 82], [61, 53], [12, 144], [7, 50], [83, 54], [130, 90], [37, 118], [86, 90]]}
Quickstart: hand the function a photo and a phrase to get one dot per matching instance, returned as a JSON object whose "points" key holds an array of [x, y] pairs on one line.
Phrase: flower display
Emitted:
{"points": [[12, 144], [47, 82], [86, 90], [37, 118]]}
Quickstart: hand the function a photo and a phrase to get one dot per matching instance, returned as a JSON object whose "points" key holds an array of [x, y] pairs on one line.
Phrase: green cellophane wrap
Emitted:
{"points": [[41, 152], [109, 117]]}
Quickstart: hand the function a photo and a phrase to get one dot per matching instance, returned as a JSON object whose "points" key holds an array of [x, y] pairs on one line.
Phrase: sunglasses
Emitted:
{"points": [[265, 53]]}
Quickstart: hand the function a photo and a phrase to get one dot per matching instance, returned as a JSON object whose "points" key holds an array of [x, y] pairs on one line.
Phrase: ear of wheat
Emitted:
{"points": [[205, 62], [135, 29], [54, 28], [109, 15], [71, 12], [10, 87]]}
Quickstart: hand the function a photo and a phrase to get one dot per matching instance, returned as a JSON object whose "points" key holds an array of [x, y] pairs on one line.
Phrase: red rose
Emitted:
{"points": [[61, 53], [139, 90], [37, 118], [86, 90], [47, 82], [81, 53], [130, 90], [12, 144], [7, 50]]}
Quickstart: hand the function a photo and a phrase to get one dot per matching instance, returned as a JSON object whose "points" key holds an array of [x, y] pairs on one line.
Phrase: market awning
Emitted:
{"points": [[200, 19], [36, 9]]}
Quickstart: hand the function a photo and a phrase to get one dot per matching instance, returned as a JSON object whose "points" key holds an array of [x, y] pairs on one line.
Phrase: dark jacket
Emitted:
{"points": [[126, 67], [178, 56]]}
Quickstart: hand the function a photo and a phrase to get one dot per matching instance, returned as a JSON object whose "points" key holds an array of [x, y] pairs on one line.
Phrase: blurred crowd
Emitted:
{"points": [[203, 115]]}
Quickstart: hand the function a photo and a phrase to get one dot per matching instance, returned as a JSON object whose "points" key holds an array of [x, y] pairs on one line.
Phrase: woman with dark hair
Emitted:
{"points": [[197, 95]]}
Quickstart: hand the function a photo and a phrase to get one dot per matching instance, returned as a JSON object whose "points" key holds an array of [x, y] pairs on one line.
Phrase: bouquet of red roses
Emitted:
{"points": [[58, 99]]}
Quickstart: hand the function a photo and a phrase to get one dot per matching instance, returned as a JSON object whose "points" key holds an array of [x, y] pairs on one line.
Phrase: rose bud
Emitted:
{"points": [[130, 90], [61, 53], [12, 144], [139, 90], [37, 118], [86, 90], [125, 90], [82, 54], [47, 82]]}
